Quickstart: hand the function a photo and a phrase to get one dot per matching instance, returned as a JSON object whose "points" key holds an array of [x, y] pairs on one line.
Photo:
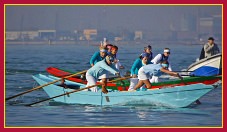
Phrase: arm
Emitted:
{"points": [[208, 48], [93, 58], [169, 68], [172, 73], [121, 67], [118, 64], [134, 66], [157, 59], [169, 72], [112, 69]]}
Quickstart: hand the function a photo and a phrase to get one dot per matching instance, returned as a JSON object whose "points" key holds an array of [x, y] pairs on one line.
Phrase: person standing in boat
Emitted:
{"points": [[150, 70], [148, 50], [211, 48], [100, 71], [159, 58], [138, 63], [99, 55]]}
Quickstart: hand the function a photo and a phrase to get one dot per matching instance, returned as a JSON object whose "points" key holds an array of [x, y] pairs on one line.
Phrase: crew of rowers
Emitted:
{"points": [[144, 71]]}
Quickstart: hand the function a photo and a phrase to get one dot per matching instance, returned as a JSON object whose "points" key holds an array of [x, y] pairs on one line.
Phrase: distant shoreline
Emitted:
{"points": [[114, 42]]}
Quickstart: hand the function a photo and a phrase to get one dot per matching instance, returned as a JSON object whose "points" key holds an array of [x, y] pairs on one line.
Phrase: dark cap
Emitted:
{"points": [[147, 47], [144, 55], [210, 38]]}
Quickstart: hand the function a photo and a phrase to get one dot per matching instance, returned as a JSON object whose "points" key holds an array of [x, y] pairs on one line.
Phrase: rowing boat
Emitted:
{"points": [[177, 96], [124, 85]]}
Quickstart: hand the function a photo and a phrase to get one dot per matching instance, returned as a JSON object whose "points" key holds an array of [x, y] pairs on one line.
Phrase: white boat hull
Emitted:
{"points": [[207, 67]]}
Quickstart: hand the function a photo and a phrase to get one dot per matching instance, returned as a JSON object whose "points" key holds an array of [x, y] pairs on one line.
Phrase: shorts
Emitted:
{"points": [[142, 75], [91, 81], [103, 76]]}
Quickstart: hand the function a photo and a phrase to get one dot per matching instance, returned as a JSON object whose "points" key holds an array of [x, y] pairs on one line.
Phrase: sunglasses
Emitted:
{"points": [[168, 52]]}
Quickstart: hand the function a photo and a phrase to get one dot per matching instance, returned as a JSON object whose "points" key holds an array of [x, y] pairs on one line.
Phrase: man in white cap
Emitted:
{"points": [[159, 58]]}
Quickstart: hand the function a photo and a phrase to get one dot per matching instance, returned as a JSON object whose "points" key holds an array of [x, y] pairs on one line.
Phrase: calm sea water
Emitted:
{"points": [[24, 60]]}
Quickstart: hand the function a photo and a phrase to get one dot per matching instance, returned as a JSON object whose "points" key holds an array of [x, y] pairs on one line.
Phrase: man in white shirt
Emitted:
{"points": [[210, 48], [159, 58]]}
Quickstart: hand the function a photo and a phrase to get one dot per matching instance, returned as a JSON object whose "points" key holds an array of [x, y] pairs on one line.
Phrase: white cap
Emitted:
{"points": [[166, 50]]}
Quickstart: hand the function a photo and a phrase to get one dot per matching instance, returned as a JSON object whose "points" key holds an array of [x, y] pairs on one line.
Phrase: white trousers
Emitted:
{"points": [[133, 82], [118, 65], [154, 79], [91, 81], [142, 75], [104, 75]]}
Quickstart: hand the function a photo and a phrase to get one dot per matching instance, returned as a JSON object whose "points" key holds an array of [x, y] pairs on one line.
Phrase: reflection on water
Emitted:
{"points": [[142, 115]]}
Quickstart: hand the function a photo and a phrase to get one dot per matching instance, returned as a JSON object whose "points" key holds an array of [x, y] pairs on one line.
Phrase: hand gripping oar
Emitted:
{"points": [[181, 78], [44, 85], [77, 91]]}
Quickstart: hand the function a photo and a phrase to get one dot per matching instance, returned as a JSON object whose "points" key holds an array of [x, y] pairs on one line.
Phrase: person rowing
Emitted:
{"points": [[148, 50], [96, 57], [99, 55], [147, 71], [159, 58], [100, 71], [113, 52], [138, 63]]}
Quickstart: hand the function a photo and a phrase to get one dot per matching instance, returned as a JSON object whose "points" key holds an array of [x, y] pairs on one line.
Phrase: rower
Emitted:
{"points": [[149, 70], [113, 52], [159, 58], [138, 63], [100, 70], [99, 55], [148, 50]]}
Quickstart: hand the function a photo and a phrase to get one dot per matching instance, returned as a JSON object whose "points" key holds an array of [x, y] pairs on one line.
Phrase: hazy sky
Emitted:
{"points": [[112, 18]]}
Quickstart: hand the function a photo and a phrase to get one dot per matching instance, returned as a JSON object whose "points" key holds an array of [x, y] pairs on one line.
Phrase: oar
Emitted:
{"points": [[182, 71], [181, 78], [77, 91], [44, 85]]}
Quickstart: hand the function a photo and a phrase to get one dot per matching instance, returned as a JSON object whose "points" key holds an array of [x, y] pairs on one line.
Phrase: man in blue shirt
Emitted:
{"points": [[99, 55], [100, 70], [147, 71]]}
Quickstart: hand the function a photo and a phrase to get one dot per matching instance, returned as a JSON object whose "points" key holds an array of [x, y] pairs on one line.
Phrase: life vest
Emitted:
{"points": [[164, 58], [150, 56]]}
